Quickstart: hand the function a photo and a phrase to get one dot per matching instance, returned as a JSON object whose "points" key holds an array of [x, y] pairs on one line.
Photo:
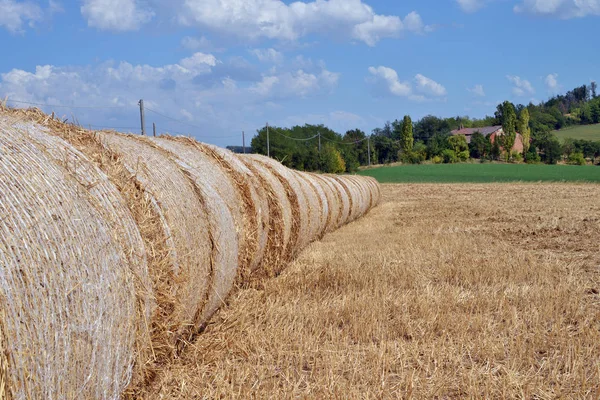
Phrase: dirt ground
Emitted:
{"points": [[442, 291]]}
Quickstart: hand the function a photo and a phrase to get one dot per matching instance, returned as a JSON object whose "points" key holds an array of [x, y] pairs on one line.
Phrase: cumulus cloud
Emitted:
{"points": [[192, 43], [477, 90], [274, 19], [470, 5], [217, 95], [385, 81], [430, 87], [14, 14], [268, 55], [115, 15], [521, 87], [552, 83], [564, 9]]}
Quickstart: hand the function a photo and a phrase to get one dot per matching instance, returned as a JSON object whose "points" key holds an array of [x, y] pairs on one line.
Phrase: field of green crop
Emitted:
{"points": [[447, 173], [587, 132]]}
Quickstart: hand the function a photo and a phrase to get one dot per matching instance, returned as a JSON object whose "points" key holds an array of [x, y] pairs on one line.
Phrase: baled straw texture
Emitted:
{"points": [[322, 208], [280, 243], [67, 295], [352, 196], [333, 201], [217, 194], [296, 195], [313, 203], [254, 206], [343, 198], [185, 287]]}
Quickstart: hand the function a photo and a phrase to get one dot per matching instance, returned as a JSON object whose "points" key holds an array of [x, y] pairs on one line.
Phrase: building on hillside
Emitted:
{"points": [[492, 132]]}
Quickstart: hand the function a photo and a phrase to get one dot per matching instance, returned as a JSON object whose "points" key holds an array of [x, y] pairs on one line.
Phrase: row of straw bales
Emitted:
{"points": [[116, 250]]}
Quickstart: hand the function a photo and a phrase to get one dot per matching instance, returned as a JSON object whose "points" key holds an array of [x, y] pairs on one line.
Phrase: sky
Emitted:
{"points": [[214, 68]]}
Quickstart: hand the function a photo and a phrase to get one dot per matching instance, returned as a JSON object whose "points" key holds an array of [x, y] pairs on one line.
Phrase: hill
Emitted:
{"points": [[587, 132]]}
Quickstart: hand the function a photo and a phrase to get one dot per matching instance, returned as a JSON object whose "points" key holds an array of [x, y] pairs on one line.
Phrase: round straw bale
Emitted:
{"points": [[279, 243], [116, 213], [255, 206], [314, 206], [342, 195], [183, 286], [353, 196], [363, 195], [333, 199], [324, 206], [68, 314], [296, 195], [219, 198]]}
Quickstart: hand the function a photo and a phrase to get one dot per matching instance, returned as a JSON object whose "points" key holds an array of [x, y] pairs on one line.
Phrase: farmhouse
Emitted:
{"points": [[492, 132]]}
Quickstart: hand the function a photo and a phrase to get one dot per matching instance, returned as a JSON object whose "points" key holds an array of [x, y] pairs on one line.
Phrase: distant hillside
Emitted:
{"points": [[587, 132]]}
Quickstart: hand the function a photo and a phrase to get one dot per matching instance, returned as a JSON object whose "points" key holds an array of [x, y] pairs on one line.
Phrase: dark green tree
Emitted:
{"points": [[407, 140], [509, 122]]}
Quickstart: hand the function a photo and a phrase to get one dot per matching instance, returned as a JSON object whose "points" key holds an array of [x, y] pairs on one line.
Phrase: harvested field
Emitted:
{"points": [[443, 291]]}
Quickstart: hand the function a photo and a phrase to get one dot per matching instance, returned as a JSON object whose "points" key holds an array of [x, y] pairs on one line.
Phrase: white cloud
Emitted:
{"points": [[430, 87], [522, 87], [115, 15], [295, 84], [470, 5], [268, 55], [220, 96], [552, 83], [564, 9], [477, 90], [385, 81], [274, 19], [14, 14]]}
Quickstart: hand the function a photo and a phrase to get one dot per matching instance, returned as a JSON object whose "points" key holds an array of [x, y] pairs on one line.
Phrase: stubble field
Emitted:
{"points": [[443, 291]]}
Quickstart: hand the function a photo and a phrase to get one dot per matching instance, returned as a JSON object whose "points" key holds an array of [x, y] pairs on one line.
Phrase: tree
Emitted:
{"points": [[509, 120], [593, 88], [480, 145], [407, 139], [525, 130]]}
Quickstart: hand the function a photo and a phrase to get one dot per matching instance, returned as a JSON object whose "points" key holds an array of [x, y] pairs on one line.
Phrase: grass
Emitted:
{"points": [[442, 291], [483, 173], [587, 132]]}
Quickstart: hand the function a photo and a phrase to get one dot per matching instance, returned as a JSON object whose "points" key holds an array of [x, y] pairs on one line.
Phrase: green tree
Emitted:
{"points": [[525, 130], [480, 145], [509, 121], [458, 143], [407, 139]]}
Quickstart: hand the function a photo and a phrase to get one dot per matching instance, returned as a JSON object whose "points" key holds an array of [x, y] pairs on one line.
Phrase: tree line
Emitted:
{"points": [[430, 138]]}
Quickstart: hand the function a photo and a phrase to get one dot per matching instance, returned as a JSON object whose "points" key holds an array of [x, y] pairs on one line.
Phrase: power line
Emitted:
{"points": [[346, 143], [188, 124], [297, 139]]}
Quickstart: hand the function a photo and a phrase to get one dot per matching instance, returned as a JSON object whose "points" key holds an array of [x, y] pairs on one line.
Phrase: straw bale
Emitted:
{"points": [[255, 207], [297, 197], [218, 197], [313, 204], [361, 194], [67, 296], [279, 245], [344, 200], [323, 206], [184, 288], [334, 201], [353, 197]]}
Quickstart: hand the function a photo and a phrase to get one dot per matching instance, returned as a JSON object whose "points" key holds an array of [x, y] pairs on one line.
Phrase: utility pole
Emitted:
{"points": [[369, 149], [268, 144], [142, 117], [154, 129], [319, 142], [244, 142]]}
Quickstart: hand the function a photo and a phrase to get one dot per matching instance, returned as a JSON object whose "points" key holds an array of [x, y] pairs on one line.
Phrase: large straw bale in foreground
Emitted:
{"points": [[68, 316]]}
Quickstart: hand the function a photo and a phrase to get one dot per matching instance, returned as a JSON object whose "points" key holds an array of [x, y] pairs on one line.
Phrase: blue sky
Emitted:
{"points": [[226, 66]]}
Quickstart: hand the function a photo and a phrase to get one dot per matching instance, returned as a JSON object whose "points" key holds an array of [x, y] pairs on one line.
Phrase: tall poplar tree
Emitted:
{"points": [[525, 130], [509, 122], [407, 135]]}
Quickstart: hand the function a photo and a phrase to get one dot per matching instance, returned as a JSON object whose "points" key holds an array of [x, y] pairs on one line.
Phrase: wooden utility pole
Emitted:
{"points": [[268, 144], [142, 117], [369, 149], [154, 129], [243, 142]]}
